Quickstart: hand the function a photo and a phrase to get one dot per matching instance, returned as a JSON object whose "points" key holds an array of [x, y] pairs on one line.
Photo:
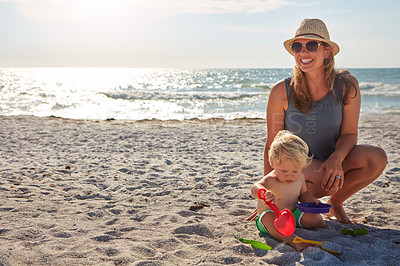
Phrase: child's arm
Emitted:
{"points": [[306, 197], [263, 183]]}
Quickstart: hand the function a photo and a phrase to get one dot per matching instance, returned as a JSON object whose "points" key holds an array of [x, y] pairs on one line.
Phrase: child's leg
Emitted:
{"points": [[312, 220], [268, 221]]}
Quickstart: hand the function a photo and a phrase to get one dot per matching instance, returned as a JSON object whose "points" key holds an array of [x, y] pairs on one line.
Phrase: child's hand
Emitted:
{"points": [[267, 195], [316, 201]]}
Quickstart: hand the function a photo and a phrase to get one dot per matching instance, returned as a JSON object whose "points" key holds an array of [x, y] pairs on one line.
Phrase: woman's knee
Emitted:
{"points": [[369, 156], [381, 157], [376, 159]]}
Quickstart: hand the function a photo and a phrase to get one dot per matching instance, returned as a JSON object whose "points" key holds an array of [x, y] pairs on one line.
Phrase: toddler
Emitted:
{"points": [[286, 186]]}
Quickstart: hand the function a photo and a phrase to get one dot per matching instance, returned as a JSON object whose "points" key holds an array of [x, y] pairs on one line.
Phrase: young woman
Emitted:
{"points": [[322, 105]]}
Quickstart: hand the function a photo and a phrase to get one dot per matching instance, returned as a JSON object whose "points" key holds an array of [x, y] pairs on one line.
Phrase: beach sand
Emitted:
{"points": [[77, 192]]}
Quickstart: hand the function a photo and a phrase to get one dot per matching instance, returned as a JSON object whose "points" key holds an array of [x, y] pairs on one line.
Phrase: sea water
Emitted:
{"points": [[135, 94]]}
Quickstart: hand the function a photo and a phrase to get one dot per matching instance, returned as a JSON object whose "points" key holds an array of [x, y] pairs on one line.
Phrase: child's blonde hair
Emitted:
{"points": [[290, 145]]}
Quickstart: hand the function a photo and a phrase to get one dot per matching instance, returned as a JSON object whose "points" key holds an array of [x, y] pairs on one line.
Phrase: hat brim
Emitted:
{"points": [[333, 45]]}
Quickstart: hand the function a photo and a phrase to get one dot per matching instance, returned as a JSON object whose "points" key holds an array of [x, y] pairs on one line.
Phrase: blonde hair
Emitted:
{"points": [[300, 95], [290, 145]]}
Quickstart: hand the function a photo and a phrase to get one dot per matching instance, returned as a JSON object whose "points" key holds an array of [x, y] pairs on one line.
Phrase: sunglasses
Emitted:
{"points": [[311, 46]]}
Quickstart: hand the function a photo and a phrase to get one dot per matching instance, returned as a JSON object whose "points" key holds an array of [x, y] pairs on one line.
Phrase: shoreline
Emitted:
{"points": [[362, 116], [96, 192]]}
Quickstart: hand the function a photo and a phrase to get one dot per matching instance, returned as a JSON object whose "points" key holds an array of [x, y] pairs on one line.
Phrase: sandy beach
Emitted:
{"points": [[85, 192]]}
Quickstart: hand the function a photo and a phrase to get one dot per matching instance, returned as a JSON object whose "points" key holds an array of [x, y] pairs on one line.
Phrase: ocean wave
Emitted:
{"points": [[178, 96], [261, 86], [379, 88], [370, 85], [166, 93], [58, 106]]}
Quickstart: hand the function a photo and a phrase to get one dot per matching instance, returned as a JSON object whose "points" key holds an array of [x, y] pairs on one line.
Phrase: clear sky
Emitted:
{"points": [[190, 33]]}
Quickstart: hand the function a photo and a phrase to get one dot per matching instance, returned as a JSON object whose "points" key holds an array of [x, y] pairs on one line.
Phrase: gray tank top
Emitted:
{"points": [[320, 127]]}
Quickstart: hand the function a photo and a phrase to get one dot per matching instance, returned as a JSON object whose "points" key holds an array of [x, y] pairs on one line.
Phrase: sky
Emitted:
{"points": [[191, 33]]}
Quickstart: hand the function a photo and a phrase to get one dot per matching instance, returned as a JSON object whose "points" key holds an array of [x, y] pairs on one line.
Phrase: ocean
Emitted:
{"points": [[152, 93]]}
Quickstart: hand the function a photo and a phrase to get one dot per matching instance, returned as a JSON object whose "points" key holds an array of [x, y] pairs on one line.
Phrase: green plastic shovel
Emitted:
{"points": [[255, 244]]}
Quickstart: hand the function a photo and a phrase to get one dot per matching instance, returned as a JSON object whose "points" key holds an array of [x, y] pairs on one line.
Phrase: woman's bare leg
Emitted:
{"points": [[362, 166]]}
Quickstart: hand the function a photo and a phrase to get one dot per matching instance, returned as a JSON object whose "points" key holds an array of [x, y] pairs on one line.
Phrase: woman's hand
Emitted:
{"points": [[334, 175]]}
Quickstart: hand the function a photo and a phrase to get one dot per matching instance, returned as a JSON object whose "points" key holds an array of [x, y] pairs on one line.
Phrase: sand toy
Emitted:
{"points": [[284, 222], [355, 232], [311, 207], [327, 246], [255, 244]]}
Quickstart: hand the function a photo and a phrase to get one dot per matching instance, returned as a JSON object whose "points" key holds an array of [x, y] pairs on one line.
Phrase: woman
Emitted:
{"points": [[322, 105]]}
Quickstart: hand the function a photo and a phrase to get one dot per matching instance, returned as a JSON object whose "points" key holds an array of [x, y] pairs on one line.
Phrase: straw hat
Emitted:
{"points": [[314, 29]]}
